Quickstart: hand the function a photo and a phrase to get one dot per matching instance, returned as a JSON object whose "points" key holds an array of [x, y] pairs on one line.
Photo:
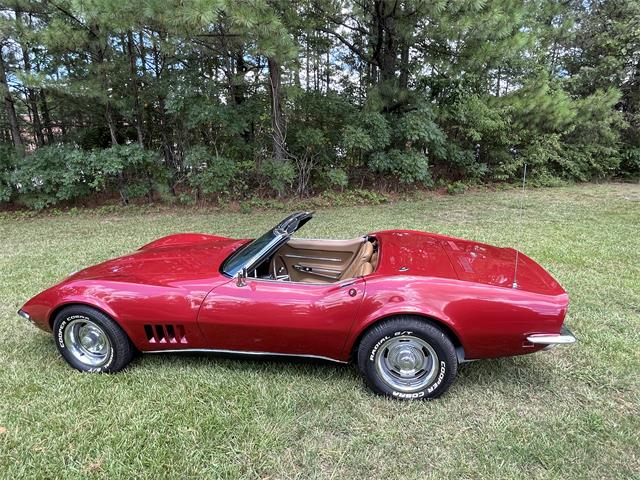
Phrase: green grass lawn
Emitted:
{"points": [[569, 413]]}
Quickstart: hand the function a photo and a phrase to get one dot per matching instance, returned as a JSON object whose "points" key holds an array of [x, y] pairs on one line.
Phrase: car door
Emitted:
{"points": [[281, 317]]}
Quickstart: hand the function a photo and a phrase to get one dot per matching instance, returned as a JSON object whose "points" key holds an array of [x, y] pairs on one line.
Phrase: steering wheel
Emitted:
{"points": [[274, 269]]}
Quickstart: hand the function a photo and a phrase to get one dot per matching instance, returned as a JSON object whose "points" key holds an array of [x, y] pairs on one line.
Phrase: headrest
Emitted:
{"points": [[367, 251]]}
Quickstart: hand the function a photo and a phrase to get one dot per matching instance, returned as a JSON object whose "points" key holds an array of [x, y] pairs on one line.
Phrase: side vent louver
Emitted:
{"points": [[161, 333]]}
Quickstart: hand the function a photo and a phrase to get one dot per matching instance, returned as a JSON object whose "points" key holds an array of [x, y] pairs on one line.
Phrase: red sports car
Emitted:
{"points": [[407, 306]]}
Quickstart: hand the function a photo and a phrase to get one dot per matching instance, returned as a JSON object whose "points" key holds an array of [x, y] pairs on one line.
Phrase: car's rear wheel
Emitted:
{"points": [[408, 358], [90, 341]]}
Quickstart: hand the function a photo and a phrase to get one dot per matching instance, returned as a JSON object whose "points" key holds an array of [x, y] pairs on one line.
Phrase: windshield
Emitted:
{"points": [[243, 255], [253, 251]]}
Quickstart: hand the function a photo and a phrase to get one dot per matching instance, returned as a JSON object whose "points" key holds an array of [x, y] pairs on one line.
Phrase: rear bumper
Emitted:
{"points": [[565, 337]]}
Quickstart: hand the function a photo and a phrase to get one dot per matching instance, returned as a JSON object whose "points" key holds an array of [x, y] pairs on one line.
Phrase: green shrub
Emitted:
{"points": [[8, 163], [456, 188], [630, 163], [368, 131], [210, 174], [52, 174], [419, 127], [128, 169], [186, 198], [57, 173], [246, 208], [279, 175], [370, 196], [337, 177], [409, 167]]}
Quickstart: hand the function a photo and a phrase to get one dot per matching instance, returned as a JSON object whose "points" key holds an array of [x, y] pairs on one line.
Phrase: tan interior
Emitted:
{"points": [[324, 261]]}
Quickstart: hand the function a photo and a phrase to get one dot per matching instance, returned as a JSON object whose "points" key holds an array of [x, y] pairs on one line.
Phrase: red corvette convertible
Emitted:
{"points": [[407, 306]]}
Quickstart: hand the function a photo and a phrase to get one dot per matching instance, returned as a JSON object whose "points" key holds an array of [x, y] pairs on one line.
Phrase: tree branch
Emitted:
{"points": [[347, 44]]}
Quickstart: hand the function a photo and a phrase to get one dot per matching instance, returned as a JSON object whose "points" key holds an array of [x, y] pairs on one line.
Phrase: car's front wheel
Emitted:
{"points": [[90, 341], [407, 358]]}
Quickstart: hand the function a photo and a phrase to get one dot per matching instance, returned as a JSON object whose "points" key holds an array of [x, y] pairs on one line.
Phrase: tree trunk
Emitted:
{"points": [[277, 118], [32, 97], [10, 109], [404, 66], [385, 41], [296, 72], [307, 61], [143, 52], [389, 52], [134, 88], [108, 110], [46, 117], [328, 68], [108, 115], [316, 67], [101, 54], [237, 86], [239, 89], [166, 144]]}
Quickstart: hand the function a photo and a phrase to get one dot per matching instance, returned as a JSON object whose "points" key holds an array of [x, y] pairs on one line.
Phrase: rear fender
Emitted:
{"points": [[387, 298]]}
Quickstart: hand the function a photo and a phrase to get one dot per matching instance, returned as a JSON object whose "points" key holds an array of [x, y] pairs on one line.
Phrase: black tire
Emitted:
{"points": [[118, 351], [414, 341]]}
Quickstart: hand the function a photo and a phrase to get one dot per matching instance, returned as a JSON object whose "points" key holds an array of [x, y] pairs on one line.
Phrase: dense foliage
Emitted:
{"points": [[203, 99]]}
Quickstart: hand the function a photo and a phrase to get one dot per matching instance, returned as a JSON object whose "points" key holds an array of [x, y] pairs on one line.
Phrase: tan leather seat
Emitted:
{"points": [[365, 269], [374, 259], [360, 261]]}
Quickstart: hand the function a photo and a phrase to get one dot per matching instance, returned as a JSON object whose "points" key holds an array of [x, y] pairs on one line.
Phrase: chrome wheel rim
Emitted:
{"points": [[406, 363], [87, 342]]}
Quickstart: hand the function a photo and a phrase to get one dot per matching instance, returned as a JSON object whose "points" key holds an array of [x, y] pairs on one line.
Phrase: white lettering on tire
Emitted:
{"points": [[408, 395], [384, 339], [60, 333], [106, 365], [437, 383], [377, 346], [60, 338], [64, 324]]}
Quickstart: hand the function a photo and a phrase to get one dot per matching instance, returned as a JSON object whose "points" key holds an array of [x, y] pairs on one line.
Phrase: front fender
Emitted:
{"points": [[135, 307], [43, 307], [177, 239]]}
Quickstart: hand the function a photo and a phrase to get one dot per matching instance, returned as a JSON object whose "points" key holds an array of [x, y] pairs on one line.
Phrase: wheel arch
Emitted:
{"points": [[448, 331], [106, 311]]}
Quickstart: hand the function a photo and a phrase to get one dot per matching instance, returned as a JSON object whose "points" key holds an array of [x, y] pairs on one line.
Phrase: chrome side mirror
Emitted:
{"points": [[242, 278]]}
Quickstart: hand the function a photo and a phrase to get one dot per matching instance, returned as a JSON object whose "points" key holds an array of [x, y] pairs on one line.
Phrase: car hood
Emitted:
{"points": [[169, 259], [417, 253]]}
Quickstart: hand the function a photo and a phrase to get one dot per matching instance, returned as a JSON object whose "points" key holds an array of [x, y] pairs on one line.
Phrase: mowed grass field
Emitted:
{"points": [[569, 413]]}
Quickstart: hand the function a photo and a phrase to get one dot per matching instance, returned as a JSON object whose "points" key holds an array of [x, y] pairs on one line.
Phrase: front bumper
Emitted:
{"points": [[565, 337], [26, 316]]}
